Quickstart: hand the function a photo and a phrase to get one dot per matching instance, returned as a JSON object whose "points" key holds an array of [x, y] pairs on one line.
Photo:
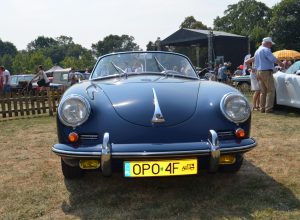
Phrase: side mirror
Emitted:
{"points": [[297, 72]]}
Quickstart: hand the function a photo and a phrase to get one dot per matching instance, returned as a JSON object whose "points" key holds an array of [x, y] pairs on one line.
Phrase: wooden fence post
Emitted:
{"points": [[49, 101]]}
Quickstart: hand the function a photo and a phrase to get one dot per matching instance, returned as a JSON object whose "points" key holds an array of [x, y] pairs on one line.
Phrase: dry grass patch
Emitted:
{"points": [[267, 186]]}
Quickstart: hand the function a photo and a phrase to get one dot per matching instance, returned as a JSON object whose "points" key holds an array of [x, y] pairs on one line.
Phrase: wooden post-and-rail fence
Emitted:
{"points": [[14, 105]]}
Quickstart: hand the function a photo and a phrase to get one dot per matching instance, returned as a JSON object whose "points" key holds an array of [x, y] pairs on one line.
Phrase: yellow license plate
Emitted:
{"points": [[153, 168]]}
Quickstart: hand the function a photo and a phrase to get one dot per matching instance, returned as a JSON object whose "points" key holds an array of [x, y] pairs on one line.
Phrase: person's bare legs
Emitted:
{"points": [[256, 99]]}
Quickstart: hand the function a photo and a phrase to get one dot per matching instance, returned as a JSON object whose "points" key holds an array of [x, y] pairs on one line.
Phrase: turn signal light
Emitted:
{"points": [[89, 164], [227, 159], [73, 137], [240, 133]]}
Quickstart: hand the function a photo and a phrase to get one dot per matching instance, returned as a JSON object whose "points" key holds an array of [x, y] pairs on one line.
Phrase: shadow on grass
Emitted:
{"points": [[244, 194], [286, 110]]}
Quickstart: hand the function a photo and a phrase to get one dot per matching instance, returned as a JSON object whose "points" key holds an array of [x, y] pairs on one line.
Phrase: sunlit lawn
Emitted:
{"points": [[267, 186]]}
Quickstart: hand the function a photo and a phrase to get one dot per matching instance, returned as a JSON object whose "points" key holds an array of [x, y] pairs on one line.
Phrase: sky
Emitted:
{"points": [[88, 21]]}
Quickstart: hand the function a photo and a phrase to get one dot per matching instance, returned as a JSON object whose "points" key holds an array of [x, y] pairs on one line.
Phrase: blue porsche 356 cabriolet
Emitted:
{"points": [[148, 114]]}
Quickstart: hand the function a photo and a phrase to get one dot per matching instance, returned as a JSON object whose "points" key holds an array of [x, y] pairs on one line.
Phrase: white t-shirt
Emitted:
{"points": [[6, 73]]}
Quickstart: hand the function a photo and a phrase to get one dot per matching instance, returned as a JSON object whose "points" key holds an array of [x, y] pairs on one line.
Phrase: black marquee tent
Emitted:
{"points": [[231, 47]]}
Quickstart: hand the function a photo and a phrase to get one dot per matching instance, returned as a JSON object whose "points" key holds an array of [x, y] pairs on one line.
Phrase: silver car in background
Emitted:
{"points": [[287, 86]]}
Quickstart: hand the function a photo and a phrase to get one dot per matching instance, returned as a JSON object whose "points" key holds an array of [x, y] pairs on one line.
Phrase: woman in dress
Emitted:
{"points": [[256, 88]]}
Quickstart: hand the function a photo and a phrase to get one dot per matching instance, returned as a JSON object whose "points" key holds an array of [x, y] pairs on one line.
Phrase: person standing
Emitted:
{"points": [[264, 64], [219, 75], [72, 77], [255, 87], [43, 80], [223, 73], [6, 79], [1, 81]]}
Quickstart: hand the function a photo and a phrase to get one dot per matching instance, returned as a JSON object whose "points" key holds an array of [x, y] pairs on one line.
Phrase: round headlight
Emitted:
{"points": [[235, 107], [73, 110]]}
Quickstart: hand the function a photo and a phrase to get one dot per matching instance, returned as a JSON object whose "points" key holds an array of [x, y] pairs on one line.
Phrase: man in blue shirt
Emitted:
{"points": [[264, 64]]}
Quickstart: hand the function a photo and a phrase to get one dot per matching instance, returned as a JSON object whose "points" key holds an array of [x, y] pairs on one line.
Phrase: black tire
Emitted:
{"points": [[71, 172], [233, 168], [245, 87]]}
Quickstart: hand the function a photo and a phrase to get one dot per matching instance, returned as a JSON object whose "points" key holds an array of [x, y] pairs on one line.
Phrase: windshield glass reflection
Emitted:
{"points": [[141, 62]]}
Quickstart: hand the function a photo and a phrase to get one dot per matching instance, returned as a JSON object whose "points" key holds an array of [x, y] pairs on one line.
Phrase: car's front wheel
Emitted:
{"points": [[235, 167], [71, 172]]}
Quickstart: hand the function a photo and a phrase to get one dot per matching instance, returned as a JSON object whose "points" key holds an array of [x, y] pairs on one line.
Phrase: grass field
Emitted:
{"points": [[267, 186]]}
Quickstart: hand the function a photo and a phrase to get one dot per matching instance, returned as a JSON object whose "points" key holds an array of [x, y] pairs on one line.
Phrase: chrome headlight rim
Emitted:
{"points": [[222, 106], [83, 100]]}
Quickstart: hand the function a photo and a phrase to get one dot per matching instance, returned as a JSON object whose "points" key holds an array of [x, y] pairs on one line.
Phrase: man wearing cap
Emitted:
{"points": [[264, 63]]}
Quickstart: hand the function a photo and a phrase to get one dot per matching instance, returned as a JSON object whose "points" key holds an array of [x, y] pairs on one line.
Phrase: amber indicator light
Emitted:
{"points": [[73, 137], [240, 133]]}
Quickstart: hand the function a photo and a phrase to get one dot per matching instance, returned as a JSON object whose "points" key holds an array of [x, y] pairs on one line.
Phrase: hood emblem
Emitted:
{"points": [[157, 116]]}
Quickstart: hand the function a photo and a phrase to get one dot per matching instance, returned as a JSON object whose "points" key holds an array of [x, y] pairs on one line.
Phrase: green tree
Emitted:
{"points": [[64, 40], [7, 60], [20, 63], [114, 43], [41, 43], [38, 58], [7, 48], [243, 17], [285, 23], [191, 23], [27, 62], [150, 46], [71, 62], [256, 35]]}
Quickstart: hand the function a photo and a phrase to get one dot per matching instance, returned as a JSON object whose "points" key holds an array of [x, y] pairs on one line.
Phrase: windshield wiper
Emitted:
{"points": [[117, 68], [159, 64]]}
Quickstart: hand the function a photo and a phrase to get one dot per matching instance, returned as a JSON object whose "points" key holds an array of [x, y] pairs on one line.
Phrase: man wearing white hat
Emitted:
{"points": [[264, 64]]}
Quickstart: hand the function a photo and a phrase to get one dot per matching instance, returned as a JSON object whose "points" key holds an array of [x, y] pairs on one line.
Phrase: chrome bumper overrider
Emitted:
{"points": [[108, 151]]}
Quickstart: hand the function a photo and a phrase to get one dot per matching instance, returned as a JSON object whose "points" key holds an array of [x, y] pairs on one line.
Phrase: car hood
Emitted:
{"points": [[134, 102]]}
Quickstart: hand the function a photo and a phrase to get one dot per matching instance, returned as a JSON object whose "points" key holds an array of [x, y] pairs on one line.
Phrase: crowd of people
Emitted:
{"points": [[260, 67], [262, 81]]}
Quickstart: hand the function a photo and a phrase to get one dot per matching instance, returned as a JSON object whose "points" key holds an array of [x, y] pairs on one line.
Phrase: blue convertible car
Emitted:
{"points": [[148, 114]]}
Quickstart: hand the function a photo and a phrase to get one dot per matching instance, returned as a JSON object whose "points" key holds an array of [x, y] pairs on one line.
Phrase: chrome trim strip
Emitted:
{"points": [[222, 134], [157, 116], [151, 154], [215, 151], [89, 136], [106, 156]]}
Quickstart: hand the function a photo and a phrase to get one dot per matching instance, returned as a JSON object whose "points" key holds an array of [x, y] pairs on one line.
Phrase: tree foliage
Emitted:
{"points": [[7, 48], [244, 17], [41, 43], [285, 23], [6, 60], [114, 43], [191, 23], [27, 62]]}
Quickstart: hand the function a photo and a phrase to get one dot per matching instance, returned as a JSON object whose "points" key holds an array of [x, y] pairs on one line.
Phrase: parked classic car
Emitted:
{"points": [[61, 77], [243, 82], [20, 82], [287, 85], [148, 114]]}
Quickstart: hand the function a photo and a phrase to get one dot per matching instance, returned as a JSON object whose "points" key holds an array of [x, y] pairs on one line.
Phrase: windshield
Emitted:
{"points": [[293, 69], [143, 62]]}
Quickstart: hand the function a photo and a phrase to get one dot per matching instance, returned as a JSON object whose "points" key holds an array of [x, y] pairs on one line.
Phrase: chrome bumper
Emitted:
{"points": [[106, 152]]}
